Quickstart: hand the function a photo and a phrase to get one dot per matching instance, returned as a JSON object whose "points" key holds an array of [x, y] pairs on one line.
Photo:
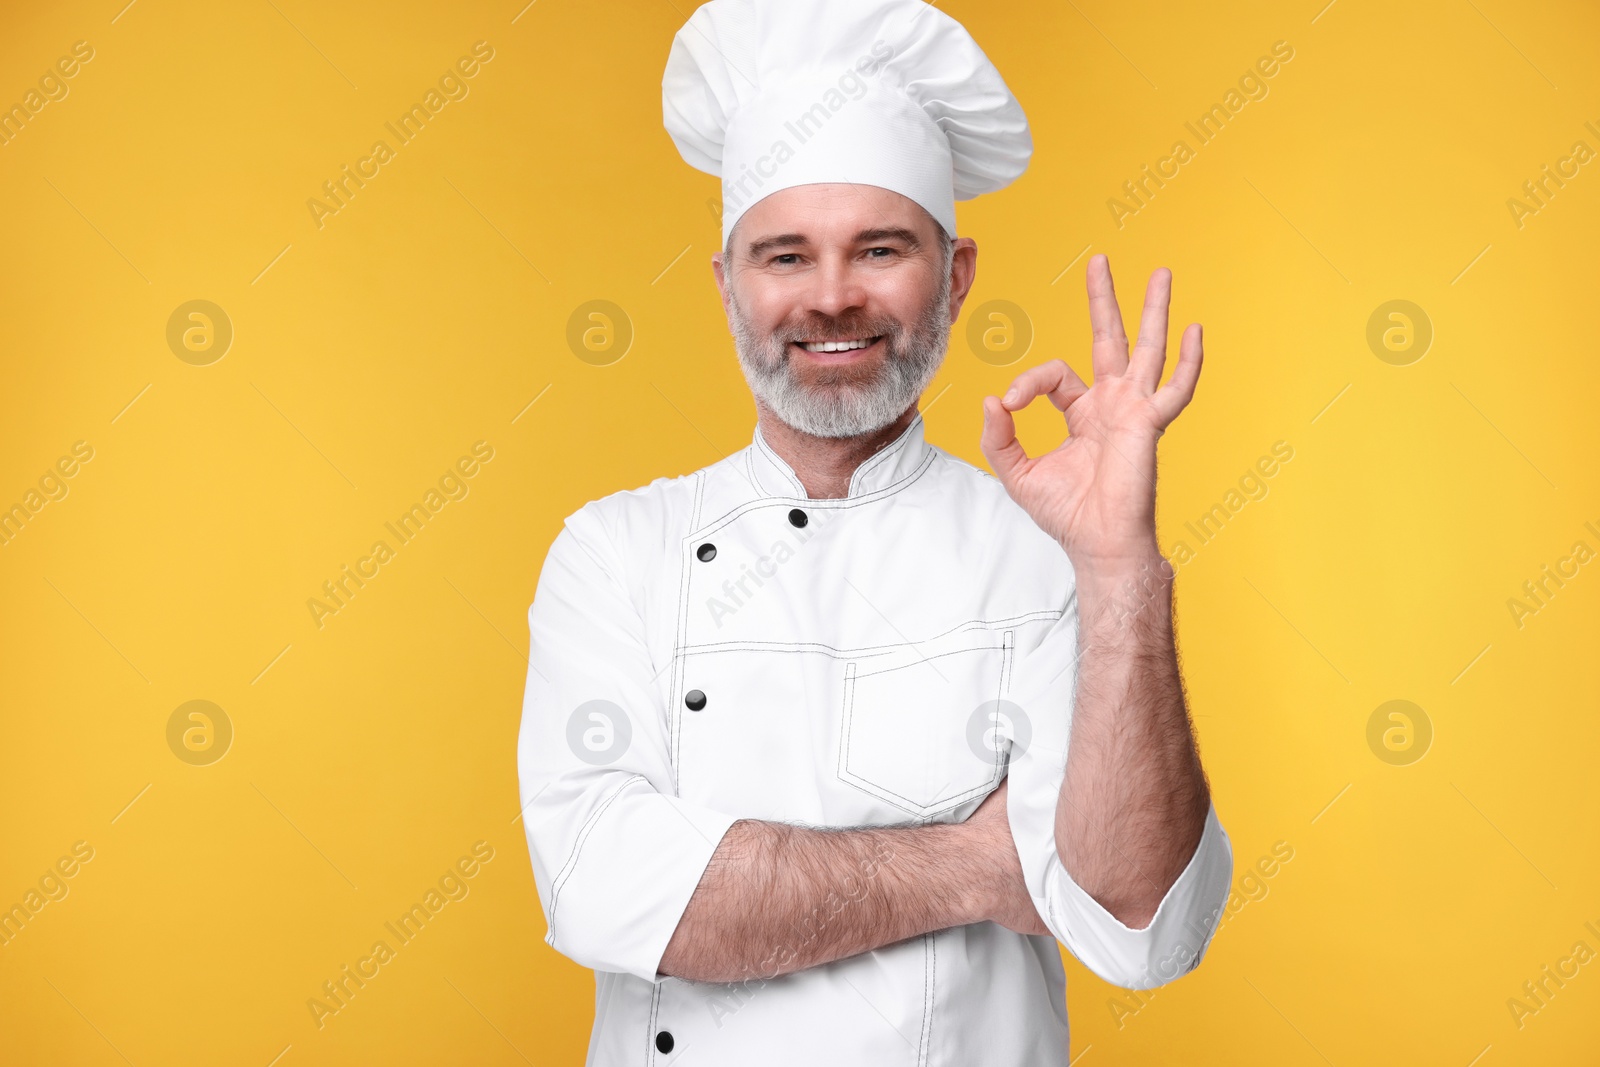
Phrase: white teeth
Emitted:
{"points": [[836, 346]]}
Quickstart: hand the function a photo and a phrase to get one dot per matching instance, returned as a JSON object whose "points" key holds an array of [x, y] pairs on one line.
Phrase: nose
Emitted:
{"points": [[835, 287]]}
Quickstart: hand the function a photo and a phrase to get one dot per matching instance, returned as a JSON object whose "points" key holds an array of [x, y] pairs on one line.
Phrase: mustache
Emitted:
{"points": [[841, 328]]}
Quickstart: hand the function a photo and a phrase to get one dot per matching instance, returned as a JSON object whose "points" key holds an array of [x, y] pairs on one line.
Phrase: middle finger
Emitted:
{"points": [[1105, 320], [1150, 352]]}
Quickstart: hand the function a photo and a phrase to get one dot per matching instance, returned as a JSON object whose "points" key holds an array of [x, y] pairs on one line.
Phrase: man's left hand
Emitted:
{"points": [[1095, 494]]}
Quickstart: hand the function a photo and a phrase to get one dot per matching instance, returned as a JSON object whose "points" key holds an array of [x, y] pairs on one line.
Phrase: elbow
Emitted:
{"points": [[1132, 899], [606, 923], [1155, 972], [1153, 955], [589, 940], [1134, 907], [584, 922], [1139, 943], [1136, 916]]}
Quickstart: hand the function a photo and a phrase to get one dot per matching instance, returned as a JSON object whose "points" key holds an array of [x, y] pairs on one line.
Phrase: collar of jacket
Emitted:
{"points": [[895, 464]]}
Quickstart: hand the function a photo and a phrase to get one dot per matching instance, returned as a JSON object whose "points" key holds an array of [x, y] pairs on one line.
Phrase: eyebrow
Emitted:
{"points": [[789, 240]]}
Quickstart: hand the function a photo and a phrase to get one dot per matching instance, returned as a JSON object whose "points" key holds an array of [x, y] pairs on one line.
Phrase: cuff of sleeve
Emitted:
{"points": [[1176, 939], [630, 878]]}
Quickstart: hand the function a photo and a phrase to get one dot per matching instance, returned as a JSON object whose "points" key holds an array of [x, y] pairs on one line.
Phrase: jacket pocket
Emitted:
{"points": [[916, 727]]}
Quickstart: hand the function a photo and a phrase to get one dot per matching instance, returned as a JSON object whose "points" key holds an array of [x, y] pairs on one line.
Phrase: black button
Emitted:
{"points": [[707, 552], [695, 700], [664, 1041], [797, 518]]}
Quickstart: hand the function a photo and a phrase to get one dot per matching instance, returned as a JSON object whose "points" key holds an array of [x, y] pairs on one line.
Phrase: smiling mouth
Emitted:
{"points": [[853, 344]]}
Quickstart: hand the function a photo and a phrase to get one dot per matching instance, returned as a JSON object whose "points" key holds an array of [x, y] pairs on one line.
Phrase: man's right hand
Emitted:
{"points": [[1005, 897]]}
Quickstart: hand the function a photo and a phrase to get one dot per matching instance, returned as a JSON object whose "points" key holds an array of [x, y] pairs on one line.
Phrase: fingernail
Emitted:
{"points": [[1011, 396]]}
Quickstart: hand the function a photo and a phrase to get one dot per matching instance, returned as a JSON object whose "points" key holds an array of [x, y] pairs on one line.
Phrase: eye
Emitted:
{"points": [[887, 252], [786, 259]]}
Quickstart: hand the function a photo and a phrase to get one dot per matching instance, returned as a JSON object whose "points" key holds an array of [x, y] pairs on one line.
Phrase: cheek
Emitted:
{"points": [[767, 308], [905, 295], [907, 308]]}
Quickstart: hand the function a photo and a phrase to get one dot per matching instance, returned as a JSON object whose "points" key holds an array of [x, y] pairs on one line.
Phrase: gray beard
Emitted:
{"points": [[840, 403]]}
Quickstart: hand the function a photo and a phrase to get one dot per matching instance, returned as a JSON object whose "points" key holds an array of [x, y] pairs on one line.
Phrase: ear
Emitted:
{"points": [[963, 269], [719, 271]]}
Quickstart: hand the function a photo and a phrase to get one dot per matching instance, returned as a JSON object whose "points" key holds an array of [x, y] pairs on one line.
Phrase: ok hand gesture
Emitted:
{"points": [[1096, 493]]}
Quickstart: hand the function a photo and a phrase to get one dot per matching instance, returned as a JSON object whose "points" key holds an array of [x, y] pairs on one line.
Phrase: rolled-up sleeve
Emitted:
{"points": [[616, 855], [1178, 935]]}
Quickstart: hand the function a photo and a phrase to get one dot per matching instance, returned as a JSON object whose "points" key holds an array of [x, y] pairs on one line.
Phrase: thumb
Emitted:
{"points": [[999, 441]]}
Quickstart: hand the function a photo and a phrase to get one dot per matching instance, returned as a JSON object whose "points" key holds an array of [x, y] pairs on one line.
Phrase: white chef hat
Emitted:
{"points": [[771, 94]]}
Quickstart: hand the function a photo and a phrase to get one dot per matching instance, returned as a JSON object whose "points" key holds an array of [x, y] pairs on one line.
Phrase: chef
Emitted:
{"points": [[825, 746]]}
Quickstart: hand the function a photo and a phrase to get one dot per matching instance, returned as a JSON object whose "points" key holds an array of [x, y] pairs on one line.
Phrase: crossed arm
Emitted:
{"points": [[777, 898]]}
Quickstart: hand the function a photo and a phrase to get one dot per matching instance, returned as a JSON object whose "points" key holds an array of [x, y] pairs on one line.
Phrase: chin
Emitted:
{"points": [[833, 423]]}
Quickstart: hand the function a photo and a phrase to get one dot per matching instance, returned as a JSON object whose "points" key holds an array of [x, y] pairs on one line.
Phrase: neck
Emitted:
{"points": [[825, 464]]}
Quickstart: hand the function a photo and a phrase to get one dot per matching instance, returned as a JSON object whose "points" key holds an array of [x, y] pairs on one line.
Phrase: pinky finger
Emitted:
{"points": [[1173, 397]]}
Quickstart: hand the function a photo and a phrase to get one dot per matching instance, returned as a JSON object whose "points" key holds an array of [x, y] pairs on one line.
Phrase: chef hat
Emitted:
{"points": [[771, 94]]}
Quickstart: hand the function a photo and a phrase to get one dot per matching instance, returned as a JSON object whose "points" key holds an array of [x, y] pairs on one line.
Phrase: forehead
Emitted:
{"points": [[832, 213]]}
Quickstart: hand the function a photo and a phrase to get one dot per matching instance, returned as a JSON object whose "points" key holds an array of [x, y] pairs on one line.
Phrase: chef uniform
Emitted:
{"points": [[719, 646]]}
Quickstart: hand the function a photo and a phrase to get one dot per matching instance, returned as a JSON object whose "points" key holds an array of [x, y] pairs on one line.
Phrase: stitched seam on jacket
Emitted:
{"points": [[819, 505], [1047, 615], [930, 963], [674, 712], [878, 789], [894, 448], [779, 466], [937, 655], [923, 811], [577, 849], [650, 1025]]}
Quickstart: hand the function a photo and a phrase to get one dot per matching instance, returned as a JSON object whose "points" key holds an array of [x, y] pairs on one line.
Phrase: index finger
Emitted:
{"points": [[1054, 379]]}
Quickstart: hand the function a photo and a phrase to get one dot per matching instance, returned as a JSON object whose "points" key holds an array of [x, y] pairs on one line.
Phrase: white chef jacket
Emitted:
{"points": [[719, 646]]}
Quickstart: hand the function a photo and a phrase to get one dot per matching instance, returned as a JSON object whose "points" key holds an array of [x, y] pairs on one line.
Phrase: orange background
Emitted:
{"points": [[369, 754]]}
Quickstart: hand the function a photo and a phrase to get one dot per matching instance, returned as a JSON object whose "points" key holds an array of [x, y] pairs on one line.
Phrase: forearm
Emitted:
{"points": [[1134, 800], [777, 898]]}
